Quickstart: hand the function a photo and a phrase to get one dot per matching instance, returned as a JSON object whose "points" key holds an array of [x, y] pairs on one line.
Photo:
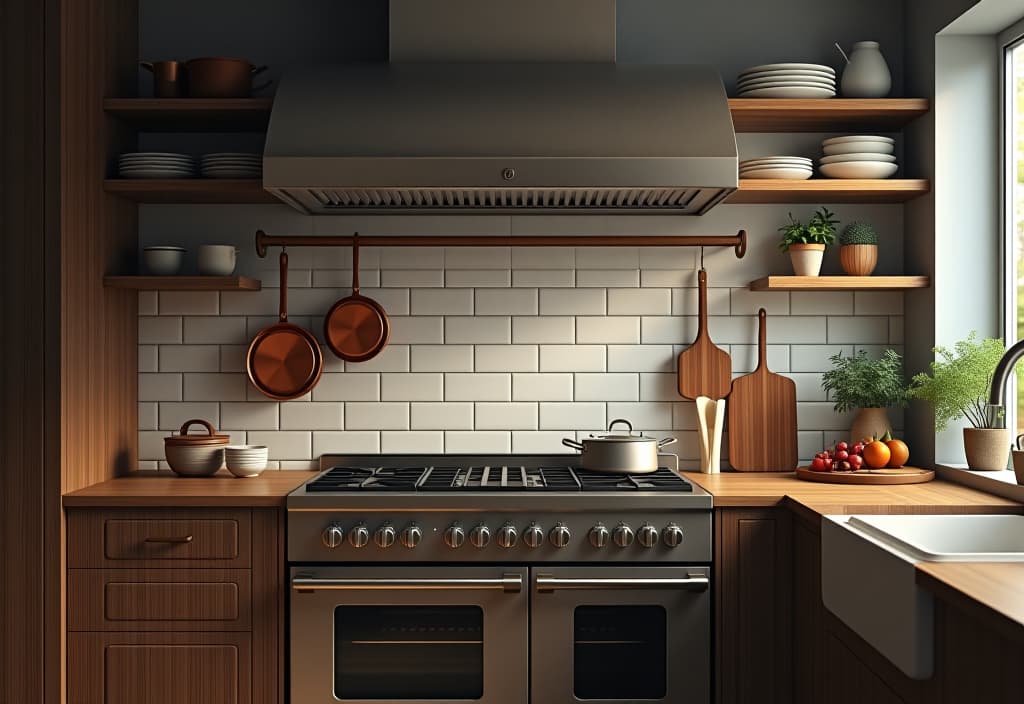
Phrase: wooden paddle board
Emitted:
{"points": [[704, 369]]}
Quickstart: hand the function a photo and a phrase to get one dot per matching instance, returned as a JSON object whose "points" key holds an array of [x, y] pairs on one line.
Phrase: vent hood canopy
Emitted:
{"points": [[494, 137]]}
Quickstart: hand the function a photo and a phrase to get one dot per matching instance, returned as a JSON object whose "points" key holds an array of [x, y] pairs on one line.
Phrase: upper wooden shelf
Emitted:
{"points": [[839, 283], [827, 115], [192, 114], [828, 190], [184, 283], [190, 190]]}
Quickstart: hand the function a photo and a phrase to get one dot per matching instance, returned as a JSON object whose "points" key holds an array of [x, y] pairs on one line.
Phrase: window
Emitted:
{"points": [[1013, 151]]}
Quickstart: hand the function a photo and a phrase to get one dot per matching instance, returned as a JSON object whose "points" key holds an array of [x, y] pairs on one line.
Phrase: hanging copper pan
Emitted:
{"points": [[284, 360], [356, 328]]}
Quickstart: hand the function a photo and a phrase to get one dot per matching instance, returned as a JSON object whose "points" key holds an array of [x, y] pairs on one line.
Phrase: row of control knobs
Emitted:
{"points": [[480, 536]]}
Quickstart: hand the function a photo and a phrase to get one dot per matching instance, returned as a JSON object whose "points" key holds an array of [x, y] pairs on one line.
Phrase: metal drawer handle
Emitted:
{"points": [[171, 539], [547, 583], [509, 583]]}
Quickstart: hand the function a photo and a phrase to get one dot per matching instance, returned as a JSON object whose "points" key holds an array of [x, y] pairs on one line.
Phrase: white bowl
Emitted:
{"points": [[858, 138], [858, 169], [858, 148], [197, 461], [837, 158], [788, 173], [217, 259], [789, 92], [246, 460], [163, 261]]}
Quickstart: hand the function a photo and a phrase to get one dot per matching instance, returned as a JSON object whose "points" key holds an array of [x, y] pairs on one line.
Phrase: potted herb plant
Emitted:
{"points": [[858, 249], [958, 386], [870, 385], [806, 243]]}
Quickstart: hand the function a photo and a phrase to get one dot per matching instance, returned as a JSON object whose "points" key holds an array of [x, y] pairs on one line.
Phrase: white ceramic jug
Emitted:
{"points": [[866, 74]]}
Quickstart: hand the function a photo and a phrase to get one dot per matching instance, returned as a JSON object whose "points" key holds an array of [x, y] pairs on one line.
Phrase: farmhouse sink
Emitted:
{"points": [[868, 578]]}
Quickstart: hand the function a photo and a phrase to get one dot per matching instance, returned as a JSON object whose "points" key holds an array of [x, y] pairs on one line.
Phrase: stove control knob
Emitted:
{"points": [[359, 536], [455, 536], [672, 535], [599, 536], [385, 536], [648, 535], [507, 536], [333, 536], [480, 536], [623, 535], [533, 536], [411, 535], [560, 536]]}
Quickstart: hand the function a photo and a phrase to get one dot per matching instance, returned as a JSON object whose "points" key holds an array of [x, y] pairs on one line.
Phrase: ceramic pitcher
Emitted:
{"points": [[866, 74]]}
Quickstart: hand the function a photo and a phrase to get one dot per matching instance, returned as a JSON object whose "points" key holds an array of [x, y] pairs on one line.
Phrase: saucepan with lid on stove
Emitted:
{"points": [[619, 453]]}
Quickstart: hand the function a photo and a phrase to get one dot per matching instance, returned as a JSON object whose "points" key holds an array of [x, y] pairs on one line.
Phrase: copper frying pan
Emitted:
{"points": [[356, 327], [284, 360]]}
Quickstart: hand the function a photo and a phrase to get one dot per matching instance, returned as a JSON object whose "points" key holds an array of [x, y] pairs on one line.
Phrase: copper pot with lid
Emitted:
{"points": [[222, 77], [196, 455]]}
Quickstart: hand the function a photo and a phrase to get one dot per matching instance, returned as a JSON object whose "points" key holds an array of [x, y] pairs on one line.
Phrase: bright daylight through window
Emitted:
{"points": [[1015, 186]]}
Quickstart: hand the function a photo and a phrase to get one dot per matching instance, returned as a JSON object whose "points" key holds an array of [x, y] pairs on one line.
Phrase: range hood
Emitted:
{"points": [[542, 137]]}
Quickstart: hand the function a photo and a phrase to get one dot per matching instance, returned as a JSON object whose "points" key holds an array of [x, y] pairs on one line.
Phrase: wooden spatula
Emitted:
{"points": [[704, 369], [762, 416]]}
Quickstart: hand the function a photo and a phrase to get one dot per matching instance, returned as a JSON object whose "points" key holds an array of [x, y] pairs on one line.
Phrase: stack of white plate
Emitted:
{"points": [[787, 81], [793, 168], [245, 460], [858, 156], [232, 165], [156, 165]]}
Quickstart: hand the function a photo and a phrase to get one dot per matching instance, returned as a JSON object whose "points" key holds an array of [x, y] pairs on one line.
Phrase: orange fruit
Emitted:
{"points": [[877, 454], [899, 453]]}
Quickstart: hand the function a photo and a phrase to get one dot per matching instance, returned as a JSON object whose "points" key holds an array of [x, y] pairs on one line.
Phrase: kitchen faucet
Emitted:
{"points": [[995, 410]]}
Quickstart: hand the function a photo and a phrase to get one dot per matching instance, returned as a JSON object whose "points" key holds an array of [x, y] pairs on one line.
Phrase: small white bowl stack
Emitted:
{"points": [[787, 81], [156, 165], [246, 460], [789, 168], [858, 156], [231, 165]]}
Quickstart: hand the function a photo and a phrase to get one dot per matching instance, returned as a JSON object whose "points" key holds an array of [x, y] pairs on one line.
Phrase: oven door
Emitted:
{"points": [[621, 634], [410, 635]]}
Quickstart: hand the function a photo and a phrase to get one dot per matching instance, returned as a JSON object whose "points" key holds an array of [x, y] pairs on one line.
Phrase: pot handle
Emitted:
{"points": [[148, 65], [666, 442], [1018, 442], [205, 423], [258, 69], [574, 444], [621, 420]]}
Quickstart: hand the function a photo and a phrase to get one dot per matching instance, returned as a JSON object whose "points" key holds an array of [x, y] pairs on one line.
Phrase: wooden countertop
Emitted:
{"points": [[160, 489], [993, 587]]}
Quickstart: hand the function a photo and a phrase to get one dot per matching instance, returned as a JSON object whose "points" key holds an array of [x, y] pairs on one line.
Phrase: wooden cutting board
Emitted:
{"points": [[704, 369], [762, 416], [903, 475]]}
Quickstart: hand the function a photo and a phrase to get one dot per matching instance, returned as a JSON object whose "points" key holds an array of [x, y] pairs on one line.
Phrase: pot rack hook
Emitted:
{"points": [[702, 258]]}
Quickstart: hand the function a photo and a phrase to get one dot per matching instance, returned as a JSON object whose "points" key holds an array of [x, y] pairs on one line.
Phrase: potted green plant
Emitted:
{"points": [[870, 385], [806, 243], [958, 386], [858, 249]]}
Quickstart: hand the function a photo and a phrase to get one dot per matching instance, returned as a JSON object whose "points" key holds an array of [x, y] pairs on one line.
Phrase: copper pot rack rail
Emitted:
{"points": [[737, 241]]}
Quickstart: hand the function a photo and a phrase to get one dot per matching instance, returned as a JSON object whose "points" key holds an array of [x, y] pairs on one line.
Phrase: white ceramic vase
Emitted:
{"points": [[866, 74], [806, 258]]}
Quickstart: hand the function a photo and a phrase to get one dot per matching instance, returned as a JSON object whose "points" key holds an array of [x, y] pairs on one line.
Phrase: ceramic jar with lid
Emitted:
{"points": [[196, 455]]}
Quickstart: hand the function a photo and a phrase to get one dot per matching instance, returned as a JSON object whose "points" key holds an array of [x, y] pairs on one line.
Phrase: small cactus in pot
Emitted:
{"points": [[858, 249]]}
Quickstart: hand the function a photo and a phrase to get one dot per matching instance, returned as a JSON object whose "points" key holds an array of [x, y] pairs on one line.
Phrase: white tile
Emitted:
{"points": [[639, 301], [668, 329], [156, 331], [189, 303], [393, 358], [551, 330], [684, 417], [149, 359], [559, 416], [608, 330], [151, 445], [411, 387], [284, 444], [148, 415], [362, 415], [506, 416], [148, 303], [215, 387], [540, 442], [297, 278], [659, 387], [472, 278], [858, 330], [747, 302], [607, 387], [311, 464], [543, 258], [349, 386], [189, 358], [607, 258], [744, 358], [173, 415], [148, 465], [809, 443], [686, 301], [794, 330], [404, 278], [403, 441], [441, 416], [477, 442], [808, 387], [416, 330], [220, 330], [641, 358], [572, 358], [492, 330], [159, 387], [821, 303], [532, 278], [815, 358], [412, 258], [665, 278], [820, 416], [506, 302], [580, 301], [249, 416], [233, 357], [477, 258], [326, 442], [505, 358], [477, 387], [602, 278], [394, 301], [668, 257], [542, 387], [339, 278], [441, 358], [312, 416], [643, 416], [878, 303], [441, 301]]}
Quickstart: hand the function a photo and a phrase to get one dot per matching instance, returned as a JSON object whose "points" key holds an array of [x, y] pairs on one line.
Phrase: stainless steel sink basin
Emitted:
{"points": [[948, 538]]}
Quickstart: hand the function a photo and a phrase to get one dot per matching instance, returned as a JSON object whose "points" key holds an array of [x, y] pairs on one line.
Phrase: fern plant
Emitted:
{"points": [[859, 233], [862, 382], [820, 229]]}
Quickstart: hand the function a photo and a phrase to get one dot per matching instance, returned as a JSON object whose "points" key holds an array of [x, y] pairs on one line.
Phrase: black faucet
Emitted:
{"points": [[995, 411]]}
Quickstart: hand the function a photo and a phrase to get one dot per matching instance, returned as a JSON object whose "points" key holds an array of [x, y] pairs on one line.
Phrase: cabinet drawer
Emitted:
{"points": [[159, 600], [162, 538]]}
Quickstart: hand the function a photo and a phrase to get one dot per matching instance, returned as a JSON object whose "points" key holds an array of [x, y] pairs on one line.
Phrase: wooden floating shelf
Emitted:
{"points": [[839, 283], [826, 115], [828, 190], [183, 283], [190, 190], [192, 114]]}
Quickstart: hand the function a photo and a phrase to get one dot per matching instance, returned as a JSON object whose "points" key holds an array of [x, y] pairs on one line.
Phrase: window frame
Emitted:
{"points": [[1009, 40]]}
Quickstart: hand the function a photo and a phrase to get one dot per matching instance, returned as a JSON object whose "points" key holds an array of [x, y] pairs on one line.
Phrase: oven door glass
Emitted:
{"points": [[619, 652]]}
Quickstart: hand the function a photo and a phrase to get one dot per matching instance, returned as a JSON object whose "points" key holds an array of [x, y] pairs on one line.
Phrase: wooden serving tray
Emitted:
{"points": [[903, 475]]}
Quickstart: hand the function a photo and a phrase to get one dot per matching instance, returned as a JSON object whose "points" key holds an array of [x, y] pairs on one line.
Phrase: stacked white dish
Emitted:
{"points": [[787, 81], [858, 156], [246, 460], [231, 165], [792, 168], [156, 165]]}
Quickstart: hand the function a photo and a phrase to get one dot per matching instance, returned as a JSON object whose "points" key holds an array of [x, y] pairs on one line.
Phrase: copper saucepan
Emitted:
{"points": [[220, 77], [357, 327]]}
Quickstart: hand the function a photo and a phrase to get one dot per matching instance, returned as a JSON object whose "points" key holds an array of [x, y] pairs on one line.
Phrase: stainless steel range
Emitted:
{"points": [[498, 579]]}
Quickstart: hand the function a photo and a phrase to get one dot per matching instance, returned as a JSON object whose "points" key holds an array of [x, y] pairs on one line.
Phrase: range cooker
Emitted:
{"points": [[497, 579]]}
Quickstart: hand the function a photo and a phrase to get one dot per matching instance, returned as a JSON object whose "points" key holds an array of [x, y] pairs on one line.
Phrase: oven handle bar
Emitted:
{"points": [[508, 583], [548, 583]]}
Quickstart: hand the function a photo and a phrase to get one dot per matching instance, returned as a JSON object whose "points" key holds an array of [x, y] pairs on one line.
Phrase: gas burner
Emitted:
{"points": [[367, 479], [663, 479]]}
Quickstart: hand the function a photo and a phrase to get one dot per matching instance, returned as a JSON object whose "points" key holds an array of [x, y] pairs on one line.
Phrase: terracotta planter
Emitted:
{"points": [[870, 422], [987, 448], [806, 258], [858, 259], [1018, 466]]}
